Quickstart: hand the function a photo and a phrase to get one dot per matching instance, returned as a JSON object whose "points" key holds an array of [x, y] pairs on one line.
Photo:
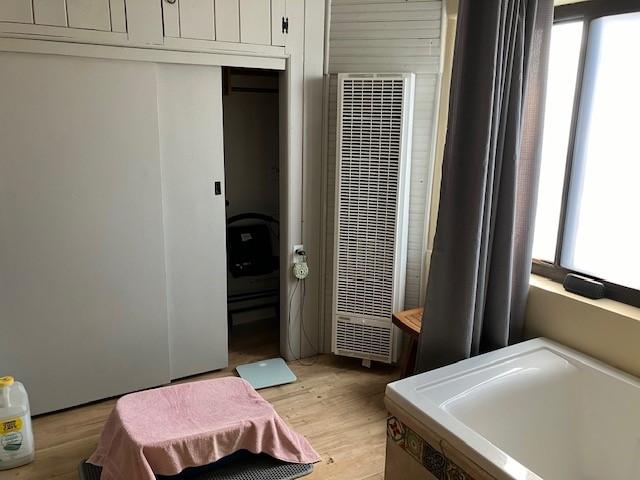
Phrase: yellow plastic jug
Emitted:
{"points": [[16, 435]]}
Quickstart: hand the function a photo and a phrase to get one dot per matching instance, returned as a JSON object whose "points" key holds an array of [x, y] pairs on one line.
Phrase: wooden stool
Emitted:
{"points": [[409, 321]]}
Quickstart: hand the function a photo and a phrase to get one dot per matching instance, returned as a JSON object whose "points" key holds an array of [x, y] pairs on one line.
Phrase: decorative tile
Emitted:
{"points": [[435, 462], [395, 430], [455, 473], [413, 443]]}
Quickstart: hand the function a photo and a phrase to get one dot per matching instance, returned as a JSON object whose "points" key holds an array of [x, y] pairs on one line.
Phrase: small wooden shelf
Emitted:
{"points": [[409, 321]]}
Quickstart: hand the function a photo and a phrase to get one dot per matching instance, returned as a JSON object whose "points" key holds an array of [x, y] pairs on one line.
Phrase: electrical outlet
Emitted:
{"points": [[300, 269], [297, 258]]}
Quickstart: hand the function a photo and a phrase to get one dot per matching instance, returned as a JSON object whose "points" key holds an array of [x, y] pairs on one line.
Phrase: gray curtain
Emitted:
{"points": [[478, 280]]}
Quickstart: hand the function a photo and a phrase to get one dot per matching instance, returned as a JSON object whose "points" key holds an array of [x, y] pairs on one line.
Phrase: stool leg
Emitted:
{"points": [[410, 360]]}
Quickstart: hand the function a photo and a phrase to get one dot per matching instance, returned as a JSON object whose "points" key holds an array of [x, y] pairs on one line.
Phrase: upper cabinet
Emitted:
{"points": [[252, 22], [100, 15], [234, 27]]}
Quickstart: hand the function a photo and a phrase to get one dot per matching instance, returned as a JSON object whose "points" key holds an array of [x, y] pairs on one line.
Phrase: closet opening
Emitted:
{"points": [[251, 102]]}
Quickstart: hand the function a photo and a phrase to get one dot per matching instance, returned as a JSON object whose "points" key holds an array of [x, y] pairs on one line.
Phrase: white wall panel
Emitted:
{"points": [[19, 11], [255, 22], [228, 20], [197, 19], [171, 19], [389, 36], [278, 13], [118, 16], [292, 90], [89, 14], [144, 21], [50, 12], [314, 16]]}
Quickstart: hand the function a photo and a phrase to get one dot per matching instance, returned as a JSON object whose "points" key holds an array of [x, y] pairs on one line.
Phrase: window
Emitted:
{"points": [[588, 212]]}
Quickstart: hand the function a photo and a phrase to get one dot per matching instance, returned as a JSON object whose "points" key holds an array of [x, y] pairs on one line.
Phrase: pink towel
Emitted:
{"points": [[165, 430]]}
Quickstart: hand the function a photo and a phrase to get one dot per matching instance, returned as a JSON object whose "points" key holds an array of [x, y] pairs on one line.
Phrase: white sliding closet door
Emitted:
{"points": [[191, 144], [82, 275]]}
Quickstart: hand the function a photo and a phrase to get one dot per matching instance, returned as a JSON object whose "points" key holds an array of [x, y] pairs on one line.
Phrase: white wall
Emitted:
{"points": [[389, 36], [604, 329], [301, 170], [448, 39]]}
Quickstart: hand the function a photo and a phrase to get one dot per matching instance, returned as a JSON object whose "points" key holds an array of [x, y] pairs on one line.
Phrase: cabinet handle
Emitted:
{"points": [[170, 1]]}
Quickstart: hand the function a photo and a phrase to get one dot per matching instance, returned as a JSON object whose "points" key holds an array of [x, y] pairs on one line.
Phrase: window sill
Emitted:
{"points": [[605, 304], [604, 329]]}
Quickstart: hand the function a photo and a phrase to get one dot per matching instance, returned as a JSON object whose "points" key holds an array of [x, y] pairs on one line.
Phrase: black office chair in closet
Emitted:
{"points": [[250, 254]]}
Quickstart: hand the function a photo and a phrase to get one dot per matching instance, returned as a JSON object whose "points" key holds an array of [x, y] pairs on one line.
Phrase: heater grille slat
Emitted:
{"points": [[370, 149], [367, 340]]}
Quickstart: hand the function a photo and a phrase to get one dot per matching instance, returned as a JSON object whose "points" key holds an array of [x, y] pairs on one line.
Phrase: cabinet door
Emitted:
{"points": [[19, 11], [144, 21], [50, 12], [118, 16], [171, 19], [278, 16], [191, 148], [196, 19], [228, 20], [89, 14], [82, 276], [255, 22]]}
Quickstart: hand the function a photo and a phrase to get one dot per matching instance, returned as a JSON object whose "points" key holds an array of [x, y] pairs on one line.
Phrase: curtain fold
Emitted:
{"points": [[478, 280]]}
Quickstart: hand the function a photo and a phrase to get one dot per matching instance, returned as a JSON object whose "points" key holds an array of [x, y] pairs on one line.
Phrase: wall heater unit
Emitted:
{"points": [[375, 114]]}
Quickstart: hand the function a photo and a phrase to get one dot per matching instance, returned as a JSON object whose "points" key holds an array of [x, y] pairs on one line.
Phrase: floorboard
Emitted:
{"points": [[336, 403]]}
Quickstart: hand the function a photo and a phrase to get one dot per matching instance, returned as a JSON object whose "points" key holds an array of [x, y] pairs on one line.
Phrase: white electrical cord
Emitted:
{"points": [[295, 289], [300, 314], [303, 330]]}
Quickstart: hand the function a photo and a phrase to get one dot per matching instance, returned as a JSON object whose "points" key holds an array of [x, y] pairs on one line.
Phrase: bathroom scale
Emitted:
{"points": [[266, 373]]}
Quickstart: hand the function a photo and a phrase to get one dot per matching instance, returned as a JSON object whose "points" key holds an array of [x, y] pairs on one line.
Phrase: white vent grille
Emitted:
{"points": [[367, 203], [374, 125], [363, 340]]}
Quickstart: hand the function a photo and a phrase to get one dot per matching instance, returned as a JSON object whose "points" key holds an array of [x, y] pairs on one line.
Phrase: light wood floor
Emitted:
{"points": [[336, 404]]}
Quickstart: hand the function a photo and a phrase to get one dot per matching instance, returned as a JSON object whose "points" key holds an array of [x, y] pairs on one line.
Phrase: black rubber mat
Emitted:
{"points": [[239, 466]]}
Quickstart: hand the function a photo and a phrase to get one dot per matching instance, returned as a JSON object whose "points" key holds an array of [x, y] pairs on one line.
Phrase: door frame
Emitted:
{"points": [[301, 111]]}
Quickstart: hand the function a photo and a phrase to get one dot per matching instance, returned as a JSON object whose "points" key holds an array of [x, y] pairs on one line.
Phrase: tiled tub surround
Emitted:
{"points": [[416, 453], [536, 410]]}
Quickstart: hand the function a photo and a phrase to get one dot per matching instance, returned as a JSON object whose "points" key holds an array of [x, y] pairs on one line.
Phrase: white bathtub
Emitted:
{"points": [[530, 411]]}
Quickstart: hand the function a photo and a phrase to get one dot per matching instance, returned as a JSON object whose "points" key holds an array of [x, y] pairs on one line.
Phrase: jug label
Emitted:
{"points": [[11, 442], [9, 426]]}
